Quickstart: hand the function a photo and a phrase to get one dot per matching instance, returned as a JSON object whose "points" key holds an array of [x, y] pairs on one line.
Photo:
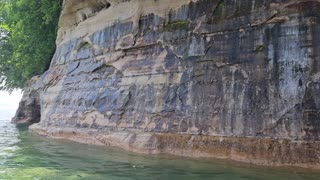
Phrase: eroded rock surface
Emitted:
{"points": [[244, 71], [29, 110]]}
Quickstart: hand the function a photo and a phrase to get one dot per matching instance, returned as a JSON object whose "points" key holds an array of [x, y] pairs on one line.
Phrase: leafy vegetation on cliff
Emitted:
{"points": [[27, 41]]}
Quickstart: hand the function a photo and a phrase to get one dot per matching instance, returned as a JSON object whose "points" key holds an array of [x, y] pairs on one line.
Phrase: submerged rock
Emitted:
{"points": [[206, 78]]}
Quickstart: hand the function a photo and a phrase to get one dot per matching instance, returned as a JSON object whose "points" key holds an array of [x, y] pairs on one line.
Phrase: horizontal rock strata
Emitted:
{"points": [[261, 151], [210, 78]]}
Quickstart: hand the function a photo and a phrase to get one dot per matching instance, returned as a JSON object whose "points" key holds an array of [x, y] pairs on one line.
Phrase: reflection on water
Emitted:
{"points": [[27, 156]]}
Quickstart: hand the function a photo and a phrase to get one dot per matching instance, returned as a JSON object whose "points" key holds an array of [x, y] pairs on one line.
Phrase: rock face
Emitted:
{"points": [[206, 78], [29, 110]]}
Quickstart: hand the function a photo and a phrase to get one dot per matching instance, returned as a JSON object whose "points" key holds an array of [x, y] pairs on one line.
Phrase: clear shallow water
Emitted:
{"points": [[27, 156]]}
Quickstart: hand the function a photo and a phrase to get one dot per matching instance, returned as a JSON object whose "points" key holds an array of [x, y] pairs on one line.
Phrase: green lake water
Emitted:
{"points": [[27, 156]]}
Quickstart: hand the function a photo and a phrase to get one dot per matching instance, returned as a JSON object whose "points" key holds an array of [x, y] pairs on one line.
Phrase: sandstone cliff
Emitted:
{"points": [[205, 78]]}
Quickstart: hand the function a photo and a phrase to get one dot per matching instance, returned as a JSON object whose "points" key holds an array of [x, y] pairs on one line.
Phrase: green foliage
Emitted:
{"points": [[177, 25], [27, 41]]}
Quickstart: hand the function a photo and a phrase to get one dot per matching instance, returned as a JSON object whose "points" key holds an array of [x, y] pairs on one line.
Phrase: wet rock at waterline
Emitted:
{"points": [[206, 78]]}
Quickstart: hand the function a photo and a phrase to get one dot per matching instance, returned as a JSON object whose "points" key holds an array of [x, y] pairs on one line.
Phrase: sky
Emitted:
{"points": [[9, 102]]}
